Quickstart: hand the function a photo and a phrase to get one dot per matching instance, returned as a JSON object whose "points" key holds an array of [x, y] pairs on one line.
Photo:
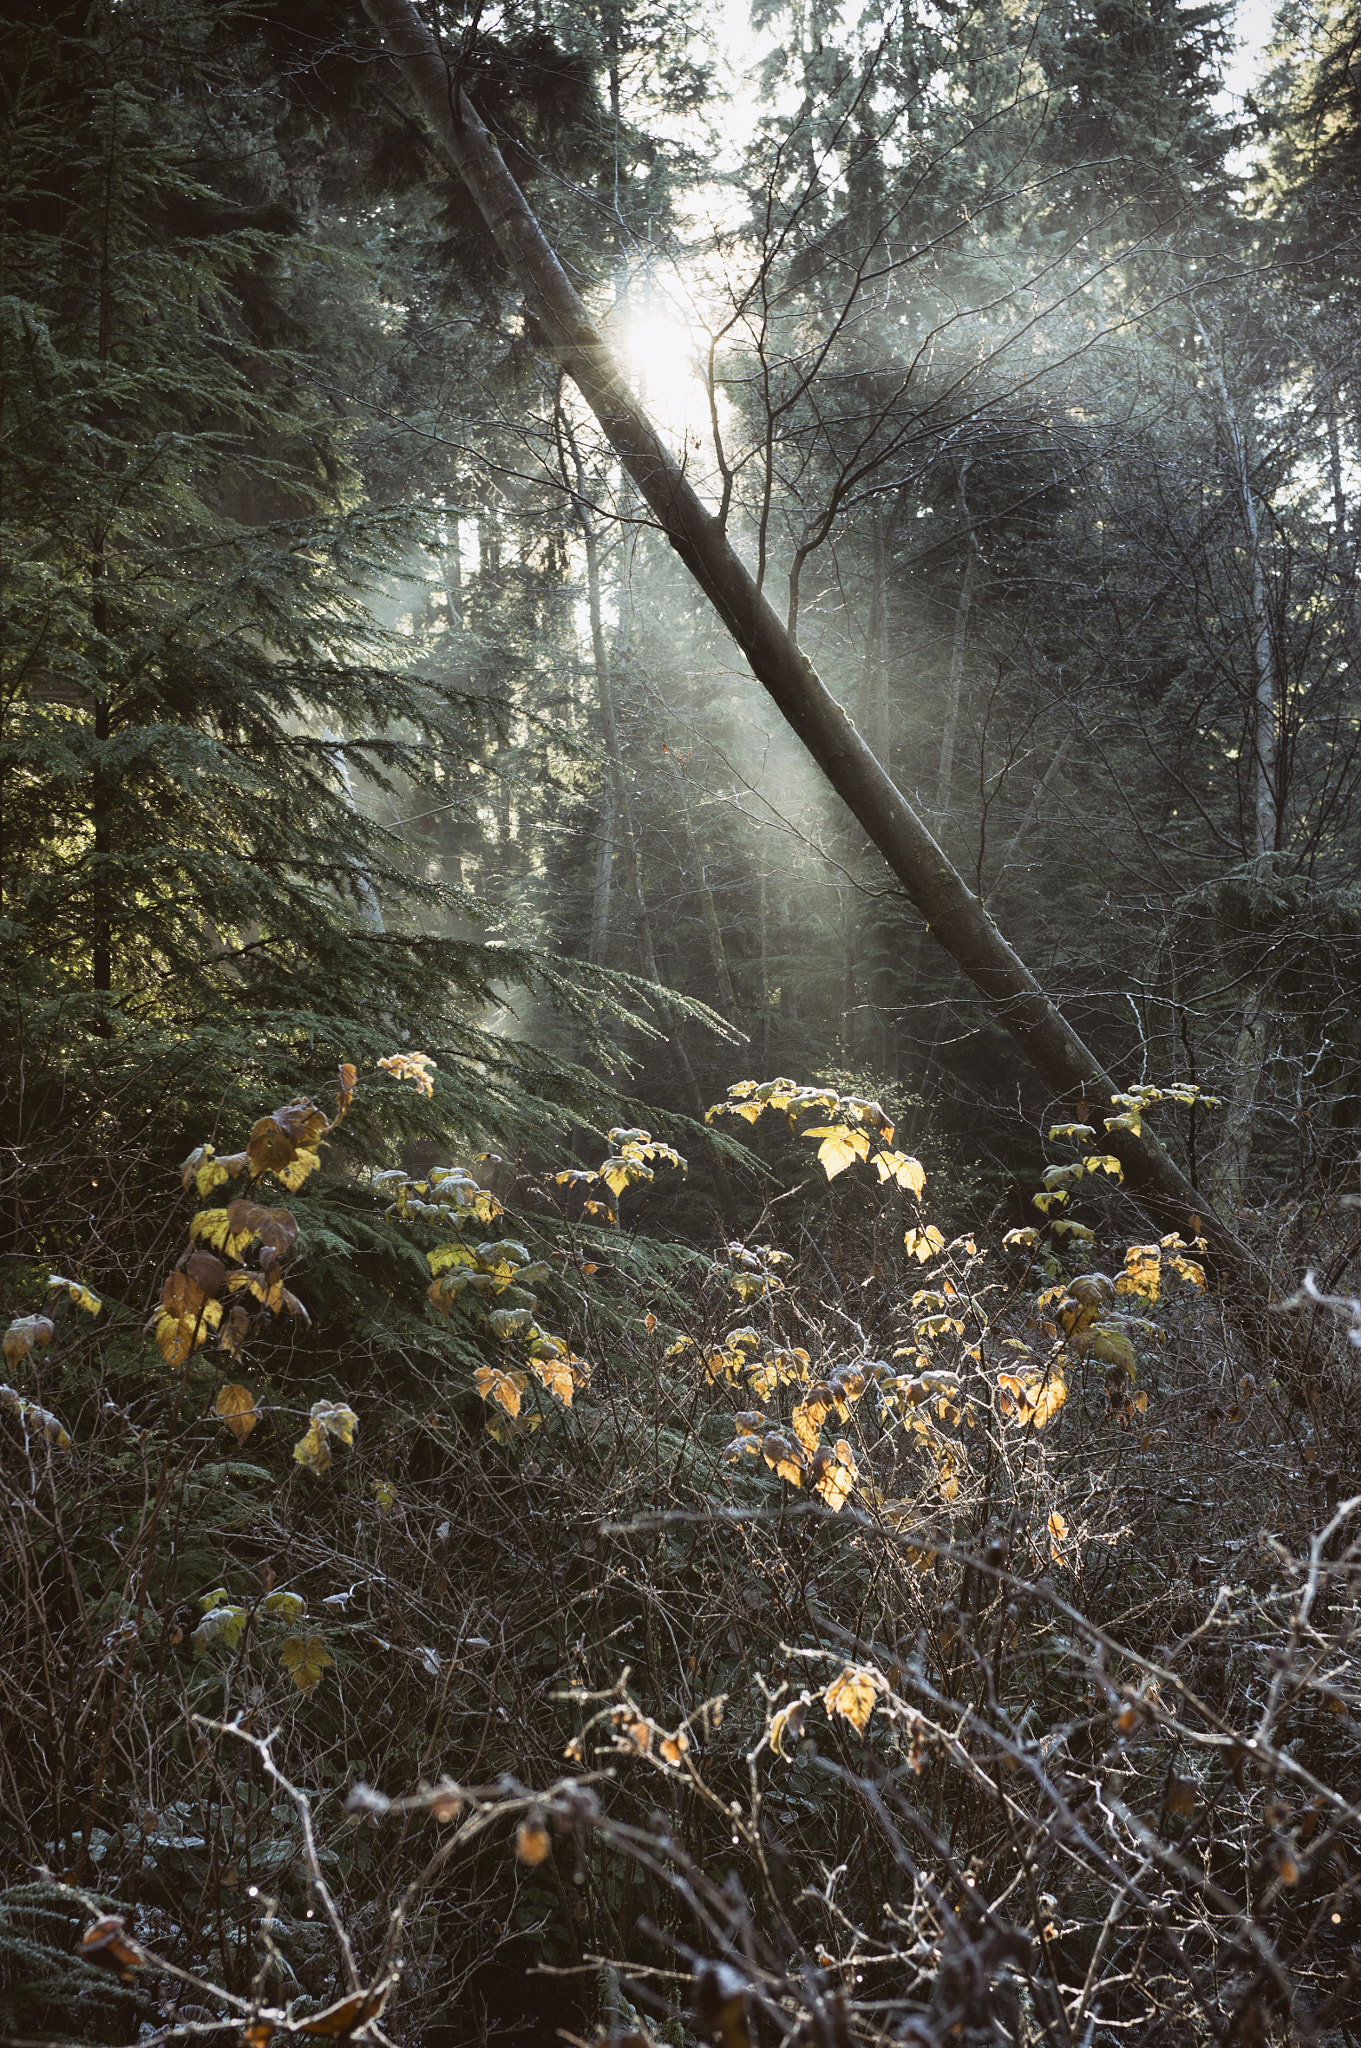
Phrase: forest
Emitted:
{"points": [[680, 1087]]}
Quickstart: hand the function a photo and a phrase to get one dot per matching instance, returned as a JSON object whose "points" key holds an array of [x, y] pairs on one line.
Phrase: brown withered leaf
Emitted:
{"points": [[269, 1146], [206, 1271], [236, 1406], [107, 1943], [1181, 1794], [303, 1121], [721, 2004], [347, 2015], [276, 1229]]}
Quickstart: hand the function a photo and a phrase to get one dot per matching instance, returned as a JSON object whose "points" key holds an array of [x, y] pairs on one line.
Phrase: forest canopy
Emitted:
{"points": [[681, 1079]]}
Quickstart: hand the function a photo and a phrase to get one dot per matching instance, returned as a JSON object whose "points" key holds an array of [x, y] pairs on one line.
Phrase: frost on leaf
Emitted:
{"points": [[416, 1067], [785, 1457], [77, 1292], [505, 1388], [35, 1421], [328, 1419], [25, 1334]]}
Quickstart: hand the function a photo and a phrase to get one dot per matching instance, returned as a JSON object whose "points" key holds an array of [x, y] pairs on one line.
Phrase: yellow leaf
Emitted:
{"points": [[336, 1419], [312, 1451], [1190, 1269], [1143, 1272], [1106, 1163], [504, 1429], [807, 1420], [505, 1388], [285, 1606], [1107, 1343], [236, 1406], [788, 1721], [1027, 1236], [785, 1457], [179, 1335], [555, 1377], [328, 1419], [78, 1292], [416, 1067], [835, 1473], [384, 1495], [299, 1167], [304, 1661], [852, 1696], [748, 1111], [1049, 1398], [897, 1166], [619, 1174], [222, 1623], [1065, 1228], [924, 1244], [213, 1226], [1046, 1202], [840, 1147], [1080, 1133]]}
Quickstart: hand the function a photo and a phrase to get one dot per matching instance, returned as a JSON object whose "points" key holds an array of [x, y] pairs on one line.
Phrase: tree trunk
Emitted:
{"points": [[1266, 805], [955, 688], [622, 811], [953, 912]]}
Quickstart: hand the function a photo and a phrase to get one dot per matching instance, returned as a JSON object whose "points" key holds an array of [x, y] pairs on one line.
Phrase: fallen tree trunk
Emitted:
{"points": [[955, 916]]}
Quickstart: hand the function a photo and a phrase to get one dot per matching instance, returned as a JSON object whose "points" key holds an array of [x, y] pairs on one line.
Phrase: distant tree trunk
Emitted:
{"points": [[1266, 795], [622, 812], [954, 689], [453, 577], [1030, 817], [699, 882], [765, 972], [604, 686], [950, 908]]}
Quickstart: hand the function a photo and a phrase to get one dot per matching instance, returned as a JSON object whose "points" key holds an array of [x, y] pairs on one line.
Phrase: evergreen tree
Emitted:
{"points": [[197, 897]]}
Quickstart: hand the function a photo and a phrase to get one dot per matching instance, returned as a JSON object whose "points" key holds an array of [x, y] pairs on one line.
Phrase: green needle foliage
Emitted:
{"points": [[201, 712]]}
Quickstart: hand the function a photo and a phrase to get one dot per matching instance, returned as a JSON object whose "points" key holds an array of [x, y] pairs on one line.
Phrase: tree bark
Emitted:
{"points": [[954, 914]]}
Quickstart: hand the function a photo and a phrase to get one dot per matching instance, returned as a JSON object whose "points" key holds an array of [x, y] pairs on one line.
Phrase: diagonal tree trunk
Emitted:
{"points": [[955, 915]]}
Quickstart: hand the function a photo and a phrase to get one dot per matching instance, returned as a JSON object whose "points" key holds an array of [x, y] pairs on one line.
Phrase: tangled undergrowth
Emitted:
{"points": [[852, 1637]]}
